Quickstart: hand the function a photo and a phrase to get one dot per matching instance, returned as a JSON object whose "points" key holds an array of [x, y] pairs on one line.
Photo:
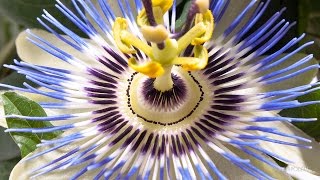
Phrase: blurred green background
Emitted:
{"points": [[16, 15]]}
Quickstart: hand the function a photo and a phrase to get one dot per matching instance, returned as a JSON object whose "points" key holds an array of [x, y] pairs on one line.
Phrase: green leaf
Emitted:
{"points": [[19, 105], [25, 12], [311, 111], [184, 6], [6, 167]]}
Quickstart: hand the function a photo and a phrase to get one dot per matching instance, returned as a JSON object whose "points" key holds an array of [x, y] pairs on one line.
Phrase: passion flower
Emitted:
{"points": [[150, 100]]}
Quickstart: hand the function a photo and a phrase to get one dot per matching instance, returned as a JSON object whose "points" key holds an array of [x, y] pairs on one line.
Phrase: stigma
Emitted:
{"points": [[164, 47]]}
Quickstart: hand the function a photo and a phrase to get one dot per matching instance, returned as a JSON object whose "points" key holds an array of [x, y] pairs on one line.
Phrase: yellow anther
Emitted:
{"points": [[142, 18], [198, 62], [203, 5], [164, 4], [195, 32], [125, 40], [120, 26], [161, 60], [159, 8], [155, 34], [132, 40], [158, 14], [207, 19], [150, 68]]}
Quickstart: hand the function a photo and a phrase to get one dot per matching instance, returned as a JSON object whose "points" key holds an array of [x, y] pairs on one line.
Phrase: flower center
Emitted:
{"points": [[163, 48], [175, 108]]}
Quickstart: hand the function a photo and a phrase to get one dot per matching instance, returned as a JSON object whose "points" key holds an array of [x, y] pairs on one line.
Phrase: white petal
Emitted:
{"points": [[277, 174], [234, 9], [300, 173], [233, 172], [307, 159], [31, 53], [302, 79], [22, 169], [115, 7]]}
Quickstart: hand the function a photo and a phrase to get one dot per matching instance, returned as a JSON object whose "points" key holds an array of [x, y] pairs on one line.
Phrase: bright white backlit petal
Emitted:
{"points": [[307, 159], [300, 173], [304, 78]]}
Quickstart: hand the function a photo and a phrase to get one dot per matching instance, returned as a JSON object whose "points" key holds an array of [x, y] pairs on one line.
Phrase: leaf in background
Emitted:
{"points": [[304, 10], [25, 12], [309, 22], [6, 167], [17, 104], [182, 11], [9, 30], [310, 16], [7, 54], [8, 149], [311, 111], [16, 79]]}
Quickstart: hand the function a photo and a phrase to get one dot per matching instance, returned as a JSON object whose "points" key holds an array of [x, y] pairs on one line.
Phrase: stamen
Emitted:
{"points": [[155, 34], [198, 62], [129, 38], [197, 6], [149, 11], [164, 4], [198, 30], [153, 13], [164, 52], [119, 25], [208, 21], [151, 68], [203, 5]]}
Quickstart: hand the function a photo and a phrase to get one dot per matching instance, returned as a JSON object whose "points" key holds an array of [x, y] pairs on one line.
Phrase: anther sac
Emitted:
{"points": [[167, 107]]}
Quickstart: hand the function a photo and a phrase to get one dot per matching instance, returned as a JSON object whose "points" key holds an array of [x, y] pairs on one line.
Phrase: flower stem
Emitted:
{"points": [[164, 83]]}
